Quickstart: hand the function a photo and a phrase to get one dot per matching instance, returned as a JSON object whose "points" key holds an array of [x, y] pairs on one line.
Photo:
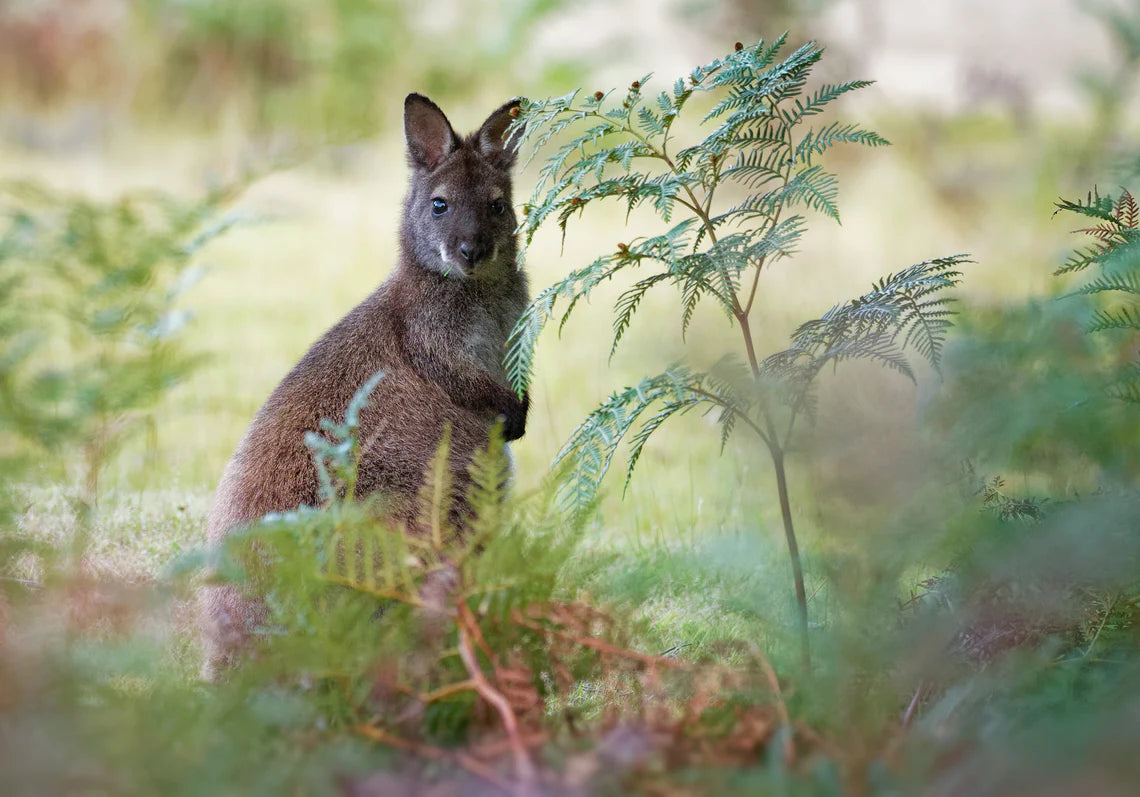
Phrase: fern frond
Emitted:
{"points": [[814, 143], [1124, 282], [1117, 257], [1105, 233], [490, 472], [1095, 207], [879, 348], [694, 286], [820, 99], [592, 445], [627, 304], [1126, 386], [923, 324], [1082, 259], [754, 89], [727, 421], [1120, 318], [641, 437], [543, 116], [1126, 391], [731, 379], [519, 358], [897, 314], [757, 168], [814, 188], [1127, 211], [651, 123]]}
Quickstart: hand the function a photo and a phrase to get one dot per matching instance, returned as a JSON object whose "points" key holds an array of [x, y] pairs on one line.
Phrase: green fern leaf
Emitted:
{"points": [[1095, 207], [1123, 282], [814, 144], [1120, 318], [627, 305], [820, 99]]}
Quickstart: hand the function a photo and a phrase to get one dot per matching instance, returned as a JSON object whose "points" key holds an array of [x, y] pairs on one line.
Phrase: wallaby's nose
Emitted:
{"points": [[471, 252]]}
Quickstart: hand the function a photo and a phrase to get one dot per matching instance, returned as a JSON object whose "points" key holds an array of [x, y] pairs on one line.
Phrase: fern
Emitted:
{"points": [[1122, 318], [1095, 206], [620, 147], [113, 274], [1116, 258], [337, 452]]}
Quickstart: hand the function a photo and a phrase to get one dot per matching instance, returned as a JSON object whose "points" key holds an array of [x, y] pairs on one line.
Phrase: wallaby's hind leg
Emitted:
{"points": [[228, 621]]}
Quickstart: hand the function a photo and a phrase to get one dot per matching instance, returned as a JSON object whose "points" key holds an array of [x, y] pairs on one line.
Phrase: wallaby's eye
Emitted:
{"points": [[438, 207], [497, 207]]}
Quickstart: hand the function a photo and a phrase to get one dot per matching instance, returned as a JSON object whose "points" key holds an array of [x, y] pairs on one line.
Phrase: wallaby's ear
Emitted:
{"points": [[490, 136], [429, 134]]}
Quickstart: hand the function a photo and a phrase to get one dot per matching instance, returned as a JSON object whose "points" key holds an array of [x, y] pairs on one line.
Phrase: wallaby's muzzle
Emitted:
{"points": [[473, 252]]}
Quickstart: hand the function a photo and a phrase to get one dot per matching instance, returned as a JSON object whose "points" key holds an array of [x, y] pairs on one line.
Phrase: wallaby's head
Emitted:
{"points": [[458, 218]]}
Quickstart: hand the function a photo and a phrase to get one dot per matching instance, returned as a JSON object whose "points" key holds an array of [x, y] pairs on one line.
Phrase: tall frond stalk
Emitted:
{"points": [[793, 553], [776, 451]]}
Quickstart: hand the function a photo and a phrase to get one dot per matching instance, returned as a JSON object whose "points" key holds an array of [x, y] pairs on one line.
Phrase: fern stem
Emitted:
{"points": [[746, 330], [695, 204], [794, 554], [760, 264], [720, 402], [775, 448], [468, 633]]}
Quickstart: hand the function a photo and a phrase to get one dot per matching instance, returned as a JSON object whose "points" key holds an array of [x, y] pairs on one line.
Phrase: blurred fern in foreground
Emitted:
{"points": [[92, 327], [716, 250], [1116, 258], [464, 645]]}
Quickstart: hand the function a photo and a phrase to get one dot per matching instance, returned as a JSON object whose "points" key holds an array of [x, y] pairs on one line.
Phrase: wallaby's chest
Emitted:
{"points": [[483, 334]]}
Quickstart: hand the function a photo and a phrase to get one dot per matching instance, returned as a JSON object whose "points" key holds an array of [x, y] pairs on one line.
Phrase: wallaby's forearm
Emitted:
{"points": [[476, 390]]}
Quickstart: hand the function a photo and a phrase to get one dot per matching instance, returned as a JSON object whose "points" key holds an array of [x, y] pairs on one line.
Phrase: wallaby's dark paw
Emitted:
{"points": [[514, 419]]}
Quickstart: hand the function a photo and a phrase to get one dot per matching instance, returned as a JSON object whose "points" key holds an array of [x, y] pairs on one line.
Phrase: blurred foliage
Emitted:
{"points": [[92, 334], [756, 16], [1037, 400], [89, 345], [1116, 256], [1110, 91], [465, 653], [311, 69]]}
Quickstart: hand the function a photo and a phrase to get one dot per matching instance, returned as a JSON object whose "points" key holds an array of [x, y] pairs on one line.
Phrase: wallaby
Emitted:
{"points": [[437, 327]]}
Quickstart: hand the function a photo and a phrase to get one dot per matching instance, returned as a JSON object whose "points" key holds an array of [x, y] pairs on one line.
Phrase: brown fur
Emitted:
{"points": [[437, 327]]}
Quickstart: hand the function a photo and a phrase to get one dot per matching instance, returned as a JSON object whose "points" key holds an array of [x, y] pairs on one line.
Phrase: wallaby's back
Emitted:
{"points": [[437, 328]]}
